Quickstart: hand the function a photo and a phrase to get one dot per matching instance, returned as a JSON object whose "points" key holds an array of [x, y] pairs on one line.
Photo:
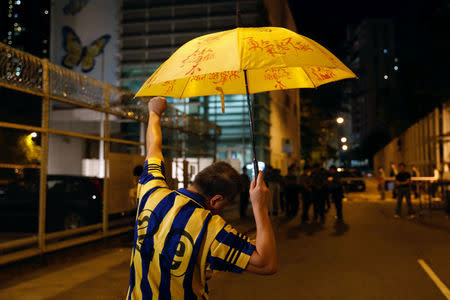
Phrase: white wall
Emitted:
{"points": [[64, 155]]}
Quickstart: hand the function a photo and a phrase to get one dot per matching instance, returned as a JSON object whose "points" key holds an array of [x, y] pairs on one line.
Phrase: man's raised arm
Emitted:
{"points": [[264, 259], [156, 107]]}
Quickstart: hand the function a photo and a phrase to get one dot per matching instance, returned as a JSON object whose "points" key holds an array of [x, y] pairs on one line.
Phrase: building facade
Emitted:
{"points": [[25, 25], [372, 56]]}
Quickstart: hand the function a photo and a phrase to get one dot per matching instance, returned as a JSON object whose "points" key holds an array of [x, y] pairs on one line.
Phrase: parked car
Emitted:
{"points": [[72, 202], [352, 185]]}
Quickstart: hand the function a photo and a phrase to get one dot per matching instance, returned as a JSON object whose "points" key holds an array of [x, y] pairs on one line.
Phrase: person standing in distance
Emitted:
{"points": [[336, 191], [381, 180], [393, 173], [179, 238], [245, 182], [403, 185]]}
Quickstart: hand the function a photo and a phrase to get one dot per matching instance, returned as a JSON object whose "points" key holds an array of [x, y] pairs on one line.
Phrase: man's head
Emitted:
{"points": [[316, 167], [291, 169], [402, 166], [333, 169], [392, 164], [219, 184], [380, 169], [244, 170]]}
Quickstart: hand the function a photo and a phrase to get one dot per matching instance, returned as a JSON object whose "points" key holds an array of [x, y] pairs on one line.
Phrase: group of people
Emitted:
{"points": [[316, 187]]}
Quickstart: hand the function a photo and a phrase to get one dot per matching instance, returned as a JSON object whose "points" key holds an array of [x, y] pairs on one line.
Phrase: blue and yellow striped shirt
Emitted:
{"points": [[178, 242]]}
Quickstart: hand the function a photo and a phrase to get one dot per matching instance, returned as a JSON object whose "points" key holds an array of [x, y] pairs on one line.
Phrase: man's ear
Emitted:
{"points": [[215, 199]]}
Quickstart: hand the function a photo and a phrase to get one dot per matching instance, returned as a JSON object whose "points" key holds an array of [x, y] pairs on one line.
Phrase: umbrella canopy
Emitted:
{"points": [[245, 61], [274, 58]]}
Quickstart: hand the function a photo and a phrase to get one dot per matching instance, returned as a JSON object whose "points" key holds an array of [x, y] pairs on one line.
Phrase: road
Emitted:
{"points": [[373, 256]]}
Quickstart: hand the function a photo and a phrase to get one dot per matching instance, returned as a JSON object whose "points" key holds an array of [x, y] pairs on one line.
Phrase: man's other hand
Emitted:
{"points": [[158, 105]]}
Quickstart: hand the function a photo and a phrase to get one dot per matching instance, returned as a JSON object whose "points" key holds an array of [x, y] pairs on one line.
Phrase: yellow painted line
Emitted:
{"points": [[442, 287]]}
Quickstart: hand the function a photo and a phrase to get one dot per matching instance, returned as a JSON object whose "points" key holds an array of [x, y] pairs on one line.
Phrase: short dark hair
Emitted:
{"points": [[333, 167], [402, 164], [219, 178]]}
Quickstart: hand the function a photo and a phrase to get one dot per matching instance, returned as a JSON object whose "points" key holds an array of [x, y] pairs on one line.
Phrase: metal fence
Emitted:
{"points": [[111, 137]]}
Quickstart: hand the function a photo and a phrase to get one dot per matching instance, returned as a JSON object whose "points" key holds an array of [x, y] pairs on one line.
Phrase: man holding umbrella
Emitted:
{"points": [[178, 235], [179, 238]]}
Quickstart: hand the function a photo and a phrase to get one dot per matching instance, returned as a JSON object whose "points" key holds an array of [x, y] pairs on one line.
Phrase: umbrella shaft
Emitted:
{"points": [[255, 162]]}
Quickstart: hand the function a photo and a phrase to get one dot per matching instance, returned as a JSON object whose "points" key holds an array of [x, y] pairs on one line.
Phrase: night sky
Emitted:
{"points": [[326, 21]]}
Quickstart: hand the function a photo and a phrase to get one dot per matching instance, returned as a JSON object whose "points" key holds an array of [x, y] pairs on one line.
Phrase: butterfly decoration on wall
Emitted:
{"points": [[77, 54], [74, 7]]}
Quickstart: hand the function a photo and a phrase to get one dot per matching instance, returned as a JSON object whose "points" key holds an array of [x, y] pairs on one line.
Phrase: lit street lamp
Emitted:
{"points": [[340, 120], [343, 139], [344, 147], [33, 134]]}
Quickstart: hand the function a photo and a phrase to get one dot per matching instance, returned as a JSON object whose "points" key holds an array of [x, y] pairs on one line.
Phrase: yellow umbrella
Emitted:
{"points": [[244, 61]]}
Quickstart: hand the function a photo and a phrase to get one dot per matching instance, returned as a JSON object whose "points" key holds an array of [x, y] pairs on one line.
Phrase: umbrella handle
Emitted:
{"points": [[255, 167], [252, 129]]}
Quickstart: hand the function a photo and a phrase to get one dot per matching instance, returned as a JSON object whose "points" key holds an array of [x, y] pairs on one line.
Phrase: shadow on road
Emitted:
{"points": [[340, 228], [306, 228]]}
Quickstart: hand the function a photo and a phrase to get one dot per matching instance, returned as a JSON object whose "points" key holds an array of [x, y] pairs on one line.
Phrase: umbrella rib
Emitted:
{"points": [[309, 77], [184, 88]]}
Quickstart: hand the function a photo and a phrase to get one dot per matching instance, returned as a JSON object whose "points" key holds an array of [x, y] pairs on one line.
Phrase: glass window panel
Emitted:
{"points": [[18, 107], [20, 157], [127, 128]]}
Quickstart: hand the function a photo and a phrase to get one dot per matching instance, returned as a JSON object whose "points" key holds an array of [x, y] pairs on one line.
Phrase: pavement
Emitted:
{"points": [[370, 256]]}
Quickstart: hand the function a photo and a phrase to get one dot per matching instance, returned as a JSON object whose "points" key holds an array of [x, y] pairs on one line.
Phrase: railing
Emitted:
{"points": [[30, 75]]}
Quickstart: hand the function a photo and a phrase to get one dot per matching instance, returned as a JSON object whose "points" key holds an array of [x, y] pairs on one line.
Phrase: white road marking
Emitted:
{"points": [[444, 289]]}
